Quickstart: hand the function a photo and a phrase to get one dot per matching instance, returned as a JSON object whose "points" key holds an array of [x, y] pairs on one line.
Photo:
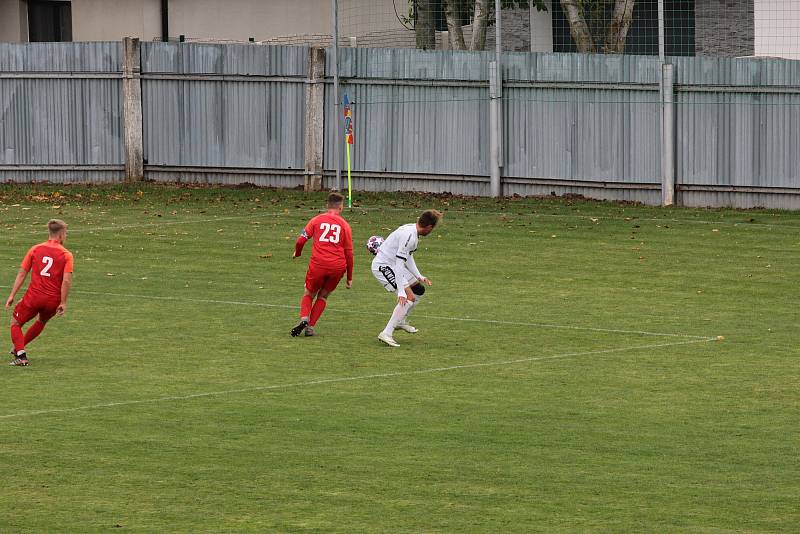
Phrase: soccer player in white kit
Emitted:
{"points": [[395, 269]]}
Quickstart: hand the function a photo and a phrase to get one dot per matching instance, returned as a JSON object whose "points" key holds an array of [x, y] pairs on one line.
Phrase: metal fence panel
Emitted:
{"points": [[411, 129], [217, 122], [61, 57], [719, 71], [223, 124], [57, 107], [581, 123], [579, 68], [410, 64], [738, 139], [232, 59], [604, 135]]}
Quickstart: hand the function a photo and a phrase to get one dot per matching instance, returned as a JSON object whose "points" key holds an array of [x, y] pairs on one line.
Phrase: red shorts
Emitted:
{"points": [[317, 279], [30, 307]]}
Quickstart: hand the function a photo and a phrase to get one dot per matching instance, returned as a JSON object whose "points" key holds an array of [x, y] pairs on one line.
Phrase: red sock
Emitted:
{"points": [[17, 337], [316, 311], [305, 305], [34, 331]]}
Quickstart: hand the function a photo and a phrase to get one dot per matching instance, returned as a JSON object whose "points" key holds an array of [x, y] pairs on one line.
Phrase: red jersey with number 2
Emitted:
{"points": [[333, 242], [47, 263]]}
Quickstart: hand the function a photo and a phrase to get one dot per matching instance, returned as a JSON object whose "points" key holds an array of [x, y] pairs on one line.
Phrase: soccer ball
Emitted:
{"points": [[374, 243]]}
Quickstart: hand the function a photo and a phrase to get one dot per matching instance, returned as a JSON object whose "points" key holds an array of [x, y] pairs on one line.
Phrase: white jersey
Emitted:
{"points": [[397, 252], [401, 243]]}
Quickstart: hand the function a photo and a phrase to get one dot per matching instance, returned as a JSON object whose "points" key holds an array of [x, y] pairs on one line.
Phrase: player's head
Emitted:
{"points": [[57, 229], [335, 201], [428, 221]]}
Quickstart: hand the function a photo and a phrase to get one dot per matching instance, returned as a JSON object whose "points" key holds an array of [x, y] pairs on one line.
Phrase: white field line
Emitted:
{"points": [[341, 379], [359, 312]]}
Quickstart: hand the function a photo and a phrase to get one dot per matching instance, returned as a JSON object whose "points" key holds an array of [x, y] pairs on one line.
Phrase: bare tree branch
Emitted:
{"points": [[424, 25], [479, 24], [578, 27], [453, 14], [618, 29]]}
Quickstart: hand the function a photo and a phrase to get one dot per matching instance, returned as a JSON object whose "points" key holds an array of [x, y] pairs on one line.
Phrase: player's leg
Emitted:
{"points": [[305, 313], [312, 286], [418, 290], [23, 313], [305, 303], [34, 330], [17, 337], [320, 301], [401, 311], [38, 325], [385, 276], [329, 285]]}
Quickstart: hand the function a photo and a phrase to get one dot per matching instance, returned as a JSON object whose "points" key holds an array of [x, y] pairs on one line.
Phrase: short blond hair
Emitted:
{"points": [[56, 226]]}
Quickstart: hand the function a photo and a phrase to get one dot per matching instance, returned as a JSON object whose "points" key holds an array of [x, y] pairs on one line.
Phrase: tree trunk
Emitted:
{"points": [[577, 25], [479, 24], [453, 14], [424, 26], [618, 29]]}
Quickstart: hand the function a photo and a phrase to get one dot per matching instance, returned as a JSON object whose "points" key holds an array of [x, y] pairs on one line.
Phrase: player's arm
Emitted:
{"points": [[411, 265], [18, 281], [305, 235], [27, 262], [348, 255], [66, 285]]}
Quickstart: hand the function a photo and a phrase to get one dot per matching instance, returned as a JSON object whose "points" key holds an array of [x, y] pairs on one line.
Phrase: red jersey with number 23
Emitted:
{"points": [[47, 263], [333, 243]]}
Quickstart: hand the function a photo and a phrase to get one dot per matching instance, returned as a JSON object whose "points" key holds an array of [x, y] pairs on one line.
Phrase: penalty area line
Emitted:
{"points": [[344, 379], [421, 315]]}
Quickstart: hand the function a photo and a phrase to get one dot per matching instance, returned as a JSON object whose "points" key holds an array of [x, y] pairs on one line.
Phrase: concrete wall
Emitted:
{"points": [[236, 20], [241, 19], [359, 17], [13, 21], [111, 20], [542, 29], [777, 28], [725, 28]]}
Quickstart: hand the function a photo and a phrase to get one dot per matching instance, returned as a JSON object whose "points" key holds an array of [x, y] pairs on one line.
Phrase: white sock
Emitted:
{"points": [[409, 309], [397, 316]]}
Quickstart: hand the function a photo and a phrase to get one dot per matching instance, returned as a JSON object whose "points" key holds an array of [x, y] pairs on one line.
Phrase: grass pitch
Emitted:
{"points": [[567, 375]]}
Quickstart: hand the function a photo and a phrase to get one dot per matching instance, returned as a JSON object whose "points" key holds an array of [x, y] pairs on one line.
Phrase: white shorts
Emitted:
{"points": [[389, 279]]}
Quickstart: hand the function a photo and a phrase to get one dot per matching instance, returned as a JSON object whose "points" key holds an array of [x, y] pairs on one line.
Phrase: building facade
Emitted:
{"points": [[722, 28]]}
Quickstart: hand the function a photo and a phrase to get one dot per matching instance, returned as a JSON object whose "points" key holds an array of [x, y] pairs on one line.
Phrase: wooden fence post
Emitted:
{"points": [[132, 109], [315, 119]]}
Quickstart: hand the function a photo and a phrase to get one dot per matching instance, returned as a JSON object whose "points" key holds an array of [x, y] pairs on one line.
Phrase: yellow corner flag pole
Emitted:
{"points": [[348, 140], [349, 180]]}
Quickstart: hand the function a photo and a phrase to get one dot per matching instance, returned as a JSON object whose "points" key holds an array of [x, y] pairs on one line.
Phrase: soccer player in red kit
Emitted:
{"points": [[331, 257], [50, 265]]}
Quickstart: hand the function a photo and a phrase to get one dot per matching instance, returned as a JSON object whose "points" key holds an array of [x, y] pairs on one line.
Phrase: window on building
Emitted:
{"points": [[49, 21], [679, 27]]}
